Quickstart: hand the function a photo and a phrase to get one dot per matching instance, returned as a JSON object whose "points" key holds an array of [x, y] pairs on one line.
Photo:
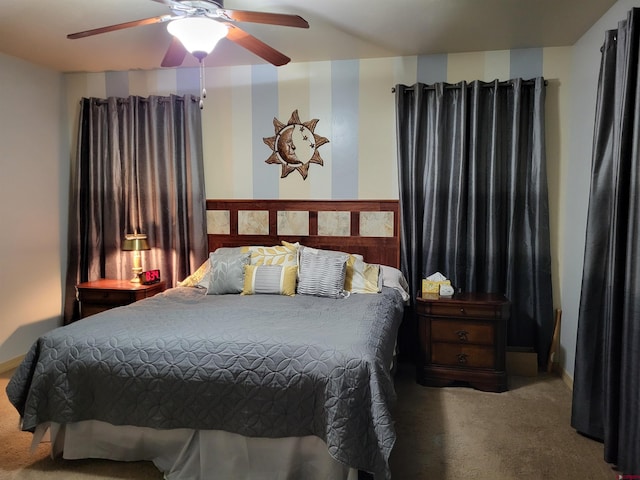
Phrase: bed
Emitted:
{"points": [[272, 360]]}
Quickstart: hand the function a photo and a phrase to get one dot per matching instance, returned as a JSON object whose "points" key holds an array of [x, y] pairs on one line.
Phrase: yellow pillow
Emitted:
{"points": [[196, 277], [270, 279], [361, 277], [285, 255]]}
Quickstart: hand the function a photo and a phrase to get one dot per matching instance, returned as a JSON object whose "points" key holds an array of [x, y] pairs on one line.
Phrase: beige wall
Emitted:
{"points": [[34, 171], [576, 170]]}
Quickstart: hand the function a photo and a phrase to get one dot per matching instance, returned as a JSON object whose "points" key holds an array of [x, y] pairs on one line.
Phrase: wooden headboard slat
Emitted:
{"points": [[383, 248]]}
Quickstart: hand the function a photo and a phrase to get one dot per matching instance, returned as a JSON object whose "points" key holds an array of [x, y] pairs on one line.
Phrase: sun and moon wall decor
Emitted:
{"points": [[295, 145]]}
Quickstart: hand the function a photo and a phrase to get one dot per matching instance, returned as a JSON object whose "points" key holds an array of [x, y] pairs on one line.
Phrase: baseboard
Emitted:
{"points": [[568, 381], [11, 364]]}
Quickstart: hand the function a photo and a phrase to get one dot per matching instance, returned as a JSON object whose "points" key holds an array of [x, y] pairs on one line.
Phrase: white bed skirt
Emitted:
{"points": [[183, 454]]}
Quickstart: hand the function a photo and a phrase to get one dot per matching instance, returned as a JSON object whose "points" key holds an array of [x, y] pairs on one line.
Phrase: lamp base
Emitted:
{"points": [[137, 270]]}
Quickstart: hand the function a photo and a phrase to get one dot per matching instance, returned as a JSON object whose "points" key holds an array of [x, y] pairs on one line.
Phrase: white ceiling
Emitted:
{"points": [[35, 30]]}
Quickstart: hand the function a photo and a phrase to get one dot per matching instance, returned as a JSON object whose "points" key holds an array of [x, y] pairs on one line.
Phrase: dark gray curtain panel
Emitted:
{"points": [[138, 168], [473, 195], [606, 388]]}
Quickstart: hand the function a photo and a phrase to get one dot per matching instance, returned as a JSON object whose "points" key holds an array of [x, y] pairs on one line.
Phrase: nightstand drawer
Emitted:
{"points": [[459, 310], [89, 309], [458, 331], [106, 297], [474, 356]]}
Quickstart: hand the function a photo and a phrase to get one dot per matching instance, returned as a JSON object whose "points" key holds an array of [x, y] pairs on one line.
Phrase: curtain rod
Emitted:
{"points": [[161, 99], [506, 83]]}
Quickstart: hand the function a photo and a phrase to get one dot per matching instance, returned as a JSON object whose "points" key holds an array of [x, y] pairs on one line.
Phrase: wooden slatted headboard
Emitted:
{"points": [[368, 227]]}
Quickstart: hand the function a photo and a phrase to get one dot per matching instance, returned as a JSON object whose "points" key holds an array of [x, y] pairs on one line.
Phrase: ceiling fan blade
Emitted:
{"points": [[256, 46], [121, 26], [264, 17], [175, 54]]}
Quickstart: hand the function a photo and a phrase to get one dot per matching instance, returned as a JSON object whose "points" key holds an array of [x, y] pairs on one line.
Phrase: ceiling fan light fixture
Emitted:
{"points": [[198, 34]]}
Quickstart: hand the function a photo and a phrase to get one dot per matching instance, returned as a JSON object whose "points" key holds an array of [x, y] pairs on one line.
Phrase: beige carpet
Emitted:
{"points": [[443, 434]]}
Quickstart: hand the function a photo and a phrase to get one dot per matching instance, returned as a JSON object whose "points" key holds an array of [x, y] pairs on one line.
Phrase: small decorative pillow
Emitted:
{"points": [[270, 279], [322, 273], [194, 280], [227, 272], [285, 255], [361, 277], [294, 247]]}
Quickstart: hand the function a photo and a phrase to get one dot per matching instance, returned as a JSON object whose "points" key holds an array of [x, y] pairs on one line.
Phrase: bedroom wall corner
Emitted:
{"points": [[556, 72], [585, 66], [33, 202]]}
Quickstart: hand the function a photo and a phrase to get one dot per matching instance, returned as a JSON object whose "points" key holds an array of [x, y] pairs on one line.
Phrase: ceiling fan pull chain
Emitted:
{"points": [[203, 82], [202, 87]]}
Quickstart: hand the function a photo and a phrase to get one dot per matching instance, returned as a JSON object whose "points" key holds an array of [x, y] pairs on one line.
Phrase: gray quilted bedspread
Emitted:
{"points": [[260, 366]]}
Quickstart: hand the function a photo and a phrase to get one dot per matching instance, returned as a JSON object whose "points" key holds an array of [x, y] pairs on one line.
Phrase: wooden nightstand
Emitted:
{"points": [[463, 339], [103, 294]]}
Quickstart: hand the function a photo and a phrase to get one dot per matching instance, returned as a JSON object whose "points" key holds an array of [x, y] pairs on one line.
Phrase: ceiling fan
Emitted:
{"points": [[197, 25]]}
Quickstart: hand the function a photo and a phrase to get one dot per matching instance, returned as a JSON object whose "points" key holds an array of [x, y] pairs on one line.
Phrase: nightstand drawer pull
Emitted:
{"points": [[462, 358], [463, 331], [463, 335]]}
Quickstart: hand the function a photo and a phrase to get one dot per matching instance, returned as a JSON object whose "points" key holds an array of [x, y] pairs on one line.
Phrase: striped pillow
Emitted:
{"points": [[322, 274], [270, 279]]}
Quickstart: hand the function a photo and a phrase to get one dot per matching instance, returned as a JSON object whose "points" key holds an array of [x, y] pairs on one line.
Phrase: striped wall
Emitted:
{"points": [[351, 99], [353, 103]]}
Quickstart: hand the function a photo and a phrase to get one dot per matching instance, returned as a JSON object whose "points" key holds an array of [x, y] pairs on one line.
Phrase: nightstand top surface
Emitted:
{"points": [[113, 284], [466, 297]]}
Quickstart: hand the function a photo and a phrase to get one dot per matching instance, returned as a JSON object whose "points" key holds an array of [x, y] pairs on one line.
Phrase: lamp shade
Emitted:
{"points": [[135, 242], [198, 34]]}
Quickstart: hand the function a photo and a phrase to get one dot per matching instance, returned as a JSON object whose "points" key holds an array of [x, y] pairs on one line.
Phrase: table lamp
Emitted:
{"points": [[135, 242]]}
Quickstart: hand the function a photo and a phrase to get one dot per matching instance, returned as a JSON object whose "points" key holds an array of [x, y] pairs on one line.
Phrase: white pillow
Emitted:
{"points": [[393, 278]]}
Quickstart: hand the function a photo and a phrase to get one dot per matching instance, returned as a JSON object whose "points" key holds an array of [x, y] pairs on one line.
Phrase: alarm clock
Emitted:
{"points": [[149, 277]]}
